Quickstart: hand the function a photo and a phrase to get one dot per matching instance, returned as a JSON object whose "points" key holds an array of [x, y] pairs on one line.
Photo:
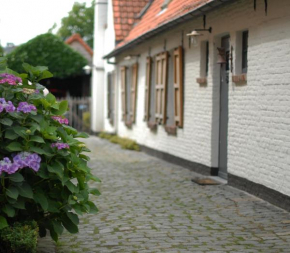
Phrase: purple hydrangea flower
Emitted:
{"points": [[59, 145], [26, 159], [8, 106], [7, 166], [10, 79], [60, 119], [25, 107]]}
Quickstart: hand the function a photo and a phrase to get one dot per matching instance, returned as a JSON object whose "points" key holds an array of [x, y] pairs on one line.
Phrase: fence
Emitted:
{"points": [[79, 113]]}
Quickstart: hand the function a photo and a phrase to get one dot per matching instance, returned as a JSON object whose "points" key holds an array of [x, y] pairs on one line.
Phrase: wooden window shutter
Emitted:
{"points": [[161, 87], [123, 92], [133, 92], [178, 86], [148, 88]]}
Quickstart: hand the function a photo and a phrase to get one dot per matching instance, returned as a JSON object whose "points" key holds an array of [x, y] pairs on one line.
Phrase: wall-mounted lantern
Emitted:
{"points": [[194, 35], [221, 55], [87, 69], [131, 56]]}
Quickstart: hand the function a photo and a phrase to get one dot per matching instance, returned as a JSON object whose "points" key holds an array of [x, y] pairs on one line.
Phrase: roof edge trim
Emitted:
{"points": [[201, 10]]}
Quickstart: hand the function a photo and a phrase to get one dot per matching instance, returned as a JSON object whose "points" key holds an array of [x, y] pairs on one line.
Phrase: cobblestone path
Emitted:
{"points": [[148, 205]]}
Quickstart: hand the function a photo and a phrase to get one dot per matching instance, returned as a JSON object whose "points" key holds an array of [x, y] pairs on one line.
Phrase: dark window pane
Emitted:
{"points": [[207, 58], [245, 52]]}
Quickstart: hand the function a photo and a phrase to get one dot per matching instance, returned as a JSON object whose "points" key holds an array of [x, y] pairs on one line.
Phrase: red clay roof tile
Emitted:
{"points": [[77, 37], [125, 13], [154, 18]]}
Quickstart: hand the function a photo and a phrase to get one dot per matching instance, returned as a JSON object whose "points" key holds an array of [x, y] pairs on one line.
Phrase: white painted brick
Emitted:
{"points": [[259, 112]]}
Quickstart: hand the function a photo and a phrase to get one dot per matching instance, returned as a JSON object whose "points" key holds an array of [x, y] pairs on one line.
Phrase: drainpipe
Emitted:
{"points": [[98, 74]]}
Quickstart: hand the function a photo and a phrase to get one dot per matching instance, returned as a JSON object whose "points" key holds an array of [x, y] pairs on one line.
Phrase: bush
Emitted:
{"points": [[48, 50], [125, 143], [106, 136], [43, 169], [19, 238]]}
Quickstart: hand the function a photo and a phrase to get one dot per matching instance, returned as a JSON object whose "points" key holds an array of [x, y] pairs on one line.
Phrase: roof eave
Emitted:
{"points": [[201, 10]]}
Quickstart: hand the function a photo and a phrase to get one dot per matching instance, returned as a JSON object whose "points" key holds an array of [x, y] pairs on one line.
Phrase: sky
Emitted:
{"points": [[22, 20]]}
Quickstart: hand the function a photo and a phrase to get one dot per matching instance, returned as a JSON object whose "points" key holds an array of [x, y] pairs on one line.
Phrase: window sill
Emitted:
{"points": [[152, 126], [239, 78], [171, 130], [201, 80]]}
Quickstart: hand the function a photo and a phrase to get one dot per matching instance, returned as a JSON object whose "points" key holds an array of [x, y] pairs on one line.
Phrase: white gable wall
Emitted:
{"points": [[259, 125]]}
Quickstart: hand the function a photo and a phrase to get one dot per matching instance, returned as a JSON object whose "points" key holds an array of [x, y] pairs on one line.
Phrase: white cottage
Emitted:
{"points": [[201, 83]]}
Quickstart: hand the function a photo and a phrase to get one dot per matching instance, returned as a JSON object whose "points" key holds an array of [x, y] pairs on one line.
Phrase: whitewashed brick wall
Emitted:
{"points": [[259, 111]]}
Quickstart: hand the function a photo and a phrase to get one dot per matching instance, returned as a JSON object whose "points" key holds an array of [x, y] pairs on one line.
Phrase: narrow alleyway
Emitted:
{"points": [[148, 205]]}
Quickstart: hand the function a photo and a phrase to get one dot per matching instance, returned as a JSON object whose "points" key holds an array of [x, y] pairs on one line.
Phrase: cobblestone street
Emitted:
{"points": [[149, 205]]}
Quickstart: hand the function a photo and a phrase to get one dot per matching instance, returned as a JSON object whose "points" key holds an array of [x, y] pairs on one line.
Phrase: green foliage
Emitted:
{"points": [[87, 119], [1, 51], [58, 192], [125, 143], [80, 20], [48, 50], [19, 238]]}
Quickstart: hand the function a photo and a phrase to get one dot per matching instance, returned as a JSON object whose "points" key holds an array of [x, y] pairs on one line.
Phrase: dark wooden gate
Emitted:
{"points": [[79, 113]]}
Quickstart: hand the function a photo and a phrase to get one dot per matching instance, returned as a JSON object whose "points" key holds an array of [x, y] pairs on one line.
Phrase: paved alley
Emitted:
{"points": [[149, 205]]}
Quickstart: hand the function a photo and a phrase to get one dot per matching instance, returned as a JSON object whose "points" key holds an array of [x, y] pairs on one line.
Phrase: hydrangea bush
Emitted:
{"points": [[43, 169]]}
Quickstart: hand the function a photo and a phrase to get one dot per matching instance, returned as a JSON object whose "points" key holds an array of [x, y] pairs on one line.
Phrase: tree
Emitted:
{"points": [[80, 20], [48, 50]]}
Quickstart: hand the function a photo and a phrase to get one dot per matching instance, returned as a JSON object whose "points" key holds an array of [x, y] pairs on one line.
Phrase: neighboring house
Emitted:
{"points": [[202, 83], [78, 44]]}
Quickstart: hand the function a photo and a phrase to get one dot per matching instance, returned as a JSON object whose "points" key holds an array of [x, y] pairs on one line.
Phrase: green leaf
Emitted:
{"points": [[50, 98], [41, 199], [25, 190], [78, 209], [9, 210], [16, 177], [63, 105], [43, 173], [11, 135], [58, 228], [94, 178], [94, 191], [56, 168], [82, 135], [73, 217], [53, 234], [12, 192], [6, 122], [3, 222], [72, 187], [93, 207], [14, 146], [20, 204], [69, 225], [36, 138], [45, 74]]}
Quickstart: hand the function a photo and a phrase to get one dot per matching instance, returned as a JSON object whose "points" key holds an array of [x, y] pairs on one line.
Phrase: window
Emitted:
{"points": [[207, 58], [161, 87], [111, 97], [245, 51], [129, 80]]}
